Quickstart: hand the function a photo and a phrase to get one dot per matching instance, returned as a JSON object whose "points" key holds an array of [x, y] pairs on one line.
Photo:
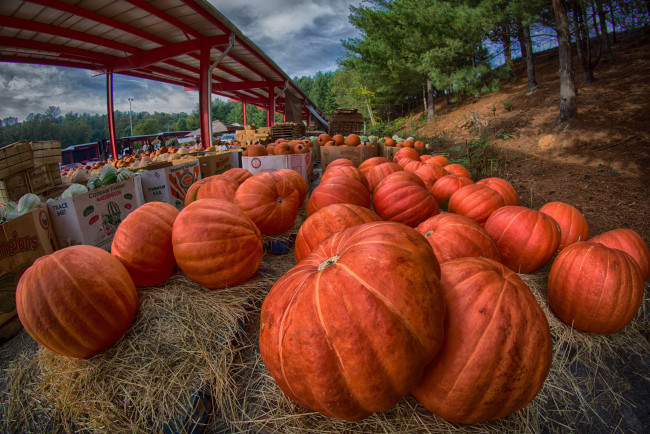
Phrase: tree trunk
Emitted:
{"points": [[603, 28], [568, 104], [431, 106], [583, 43], [505, 39], [530, 65], [647, 5], [611, 12], [521, 36]]}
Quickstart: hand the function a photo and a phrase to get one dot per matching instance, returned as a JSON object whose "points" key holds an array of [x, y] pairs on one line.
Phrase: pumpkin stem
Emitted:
{"points": [[327, 263], [428, 234], [279, 200]]}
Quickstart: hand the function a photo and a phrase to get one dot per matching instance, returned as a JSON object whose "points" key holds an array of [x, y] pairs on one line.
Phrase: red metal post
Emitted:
{"points": [[243, 109], [205, 95], [270, 111], [111, 114]]}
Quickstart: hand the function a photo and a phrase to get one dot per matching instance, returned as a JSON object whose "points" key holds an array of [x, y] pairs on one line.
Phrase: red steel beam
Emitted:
{"points": [[244, 85], [160, 54], [111, 115], [41, 61], [165, 17], [70, 52], [205, 96]]}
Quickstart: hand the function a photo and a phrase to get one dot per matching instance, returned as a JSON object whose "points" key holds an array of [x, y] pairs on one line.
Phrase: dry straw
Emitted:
{"points": [[189, 344]]}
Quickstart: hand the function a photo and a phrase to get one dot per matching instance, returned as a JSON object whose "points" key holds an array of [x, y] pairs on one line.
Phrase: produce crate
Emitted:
{"points": [[46, 152], [13, 187], [39, 179], [287, 130], [55, 173], [15, 158], [345, 121]]}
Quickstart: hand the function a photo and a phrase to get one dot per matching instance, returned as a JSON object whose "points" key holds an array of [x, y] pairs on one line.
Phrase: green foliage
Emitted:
{"points": [[481, 158], [507, 105]]}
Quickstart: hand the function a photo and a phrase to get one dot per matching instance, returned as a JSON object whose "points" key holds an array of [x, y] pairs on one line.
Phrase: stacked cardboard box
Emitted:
{"points": [[250, 135]]}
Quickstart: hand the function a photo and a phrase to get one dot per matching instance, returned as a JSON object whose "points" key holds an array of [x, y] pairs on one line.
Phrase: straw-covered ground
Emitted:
{"points": [[191, 361]]}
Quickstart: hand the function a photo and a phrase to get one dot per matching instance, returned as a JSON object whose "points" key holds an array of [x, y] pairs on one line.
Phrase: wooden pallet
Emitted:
{"points": [[287, 130]]}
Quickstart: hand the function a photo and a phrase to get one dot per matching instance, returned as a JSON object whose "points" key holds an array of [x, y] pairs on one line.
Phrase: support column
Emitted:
{"points": [[111, 113], [243, 110], [205, 95], [270, 112]]}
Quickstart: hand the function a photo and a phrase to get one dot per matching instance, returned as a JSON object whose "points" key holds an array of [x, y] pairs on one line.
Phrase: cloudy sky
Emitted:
{"points": [[301, 36]]}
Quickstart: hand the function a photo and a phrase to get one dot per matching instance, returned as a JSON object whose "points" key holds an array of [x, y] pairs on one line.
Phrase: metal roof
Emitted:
{"points": [[154, 39]]}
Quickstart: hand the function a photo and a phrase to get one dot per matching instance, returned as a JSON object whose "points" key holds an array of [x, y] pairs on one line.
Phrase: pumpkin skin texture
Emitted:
{"points": [[349, 171], [447, 185], [143, 243], [411, 166], [631, 243], [270, 200], [475, 201], [408, 153], [340, 162], [368, 164], [238, 174], [430, 173], [504, 188], [526, 238], [338, 189], [439, 159], [69, 307], [223, 249], [218, 187], [352, 140], [453, 236], [338, 139], [458, 169], [402, 197], [298, 181], [497, 349], [326, 221], [347, 333], [573, 225], [323, 138], [378, 173], [594, 288]]}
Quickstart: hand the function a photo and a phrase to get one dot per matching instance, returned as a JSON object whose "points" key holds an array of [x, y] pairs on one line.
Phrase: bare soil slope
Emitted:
{"points": [[599, 162]]}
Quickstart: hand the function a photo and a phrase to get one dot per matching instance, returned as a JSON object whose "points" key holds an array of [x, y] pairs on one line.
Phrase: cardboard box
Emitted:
{"points": [[301, 163], [170, 184], [215, 163], [22, 241], [354, 153], [92, 218]]}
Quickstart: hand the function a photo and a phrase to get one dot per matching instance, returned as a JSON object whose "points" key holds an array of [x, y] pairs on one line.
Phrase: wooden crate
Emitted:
{"points": [[13, 187], [15, 158], [46, 152], [55, 173], [345, 121], [39, 179]]}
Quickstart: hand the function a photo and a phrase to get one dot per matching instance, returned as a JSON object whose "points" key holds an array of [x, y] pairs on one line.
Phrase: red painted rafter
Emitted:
{"points": [[244, 85], [69, 52], [42, 61], [165, 17]]}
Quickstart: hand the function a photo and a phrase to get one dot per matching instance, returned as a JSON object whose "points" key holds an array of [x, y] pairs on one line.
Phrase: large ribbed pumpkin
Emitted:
{"points": [[402, 197], [143, 243], [438, 159], [238, 174], [631, 243], [298, 181], [526, 238], [475, 201], [458, 169], [77, 301], [504, 188], [216, 244], [340, 162], [594, 288], [447, 185], [573, 225], [455, 236], [430, 173], [368, 164], [408, 153], [217, 187], [328, 220], [497, 349], [379, 172], [349, 171], [338, 189], [349, 330], [270, 200]]}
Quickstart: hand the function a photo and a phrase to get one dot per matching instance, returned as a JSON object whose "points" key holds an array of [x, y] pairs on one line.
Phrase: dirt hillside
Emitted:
{"points": [[599, 163]]}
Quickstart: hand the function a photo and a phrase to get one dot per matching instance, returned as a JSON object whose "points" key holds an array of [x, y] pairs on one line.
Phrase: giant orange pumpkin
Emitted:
{"points": [[368, 164], [346, 332], [238, 174], [349, 171], [447, 185], [497, 349], [338, 189], [458, 169], [438, 159], [215, 187], [143, 243], [340, 162], [455, 236], [270, 200], [326, 221], [475, 201], [298, 181], [410, 165], [77, 301], [216, 244], [430, 173], [504, 188], [408, 153], [631, 243], [379, 172], [402, 197], [573, 225], [526, 238], [594, 288]]}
